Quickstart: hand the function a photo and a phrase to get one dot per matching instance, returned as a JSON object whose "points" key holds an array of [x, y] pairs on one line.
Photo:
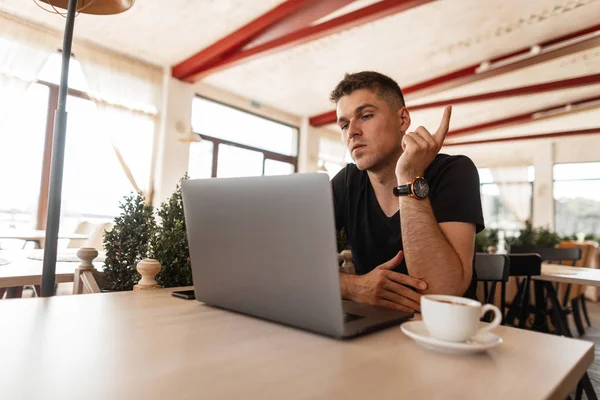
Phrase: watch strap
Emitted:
{"points": [[402, 190]]}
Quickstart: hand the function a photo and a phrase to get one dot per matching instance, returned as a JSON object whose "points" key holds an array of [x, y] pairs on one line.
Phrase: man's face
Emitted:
{"points": [[371, 130]]}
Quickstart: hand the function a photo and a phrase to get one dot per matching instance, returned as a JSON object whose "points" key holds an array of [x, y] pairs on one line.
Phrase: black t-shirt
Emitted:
{"points": [[375, 238]]}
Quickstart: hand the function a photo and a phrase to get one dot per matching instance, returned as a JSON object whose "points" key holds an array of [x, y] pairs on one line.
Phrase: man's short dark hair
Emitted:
{"points": [[383, 86]]}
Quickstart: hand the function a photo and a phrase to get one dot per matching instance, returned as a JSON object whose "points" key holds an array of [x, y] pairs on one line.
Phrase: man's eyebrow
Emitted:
{"points": [[362, 107], [357, 111]]}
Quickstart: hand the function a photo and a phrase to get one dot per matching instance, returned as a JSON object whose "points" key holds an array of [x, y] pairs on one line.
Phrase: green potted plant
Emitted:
{"points": [[170, 244], [544, 237], [530, 239], [128, 243], [486, 241]]}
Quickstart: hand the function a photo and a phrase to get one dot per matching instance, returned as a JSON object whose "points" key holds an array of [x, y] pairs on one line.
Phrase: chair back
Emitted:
{"points": [[83, 228], [491, 268], [563, 255], [526, 264], [96, 239], [523, 265]]}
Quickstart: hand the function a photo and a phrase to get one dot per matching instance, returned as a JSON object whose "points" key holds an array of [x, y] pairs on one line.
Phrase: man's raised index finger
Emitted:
{"points": [[440, 134]]}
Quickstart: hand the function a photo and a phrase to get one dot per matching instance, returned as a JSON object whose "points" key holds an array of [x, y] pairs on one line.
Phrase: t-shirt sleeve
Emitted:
{"points": [[338, 186], [456, 195]]}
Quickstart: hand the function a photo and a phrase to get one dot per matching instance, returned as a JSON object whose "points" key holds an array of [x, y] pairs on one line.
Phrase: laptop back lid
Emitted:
{"points": [[265, 246]]}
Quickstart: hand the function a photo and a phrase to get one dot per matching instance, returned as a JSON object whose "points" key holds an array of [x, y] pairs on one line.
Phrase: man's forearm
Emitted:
{"points": [[346, 281], [429, 256]]}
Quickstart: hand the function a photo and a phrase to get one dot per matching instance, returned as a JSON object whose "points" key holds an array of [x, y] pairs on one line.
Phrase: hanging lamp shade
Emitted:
{"points": [[97, 7]]}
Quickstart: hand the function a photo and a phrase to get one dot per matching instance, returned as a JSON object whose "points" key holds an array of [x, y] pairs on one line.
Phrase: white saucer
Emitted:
{"points": [[483, 341]]}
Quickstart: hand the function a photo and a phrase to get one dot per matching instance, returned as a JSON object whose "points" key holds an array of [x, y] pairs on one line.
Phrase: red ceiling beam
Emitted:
{"points": [[287, 16], [346, 21], [558, 47], [591, 131], [302, 18], [326, 118], [519, 91], [537, 115]]}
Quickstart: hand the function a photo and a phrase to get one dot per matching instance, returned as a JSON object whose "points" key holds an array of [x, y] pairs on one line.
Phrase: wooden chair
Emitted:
{"points": [[489, 270], [576, 293], [86, 278], [83, 228], [568, 256], [96, 239], [522, 268]]}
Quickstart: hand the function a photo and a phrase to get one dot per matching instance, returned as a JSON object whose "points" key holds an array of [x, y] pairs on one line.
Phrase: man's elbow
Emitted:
{"points": [[456, 286]]}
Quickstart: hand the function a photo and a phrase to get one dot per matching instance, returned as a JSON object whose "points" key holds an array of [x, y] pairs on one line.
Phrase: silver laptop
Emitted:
{"points": [[266, 247]]}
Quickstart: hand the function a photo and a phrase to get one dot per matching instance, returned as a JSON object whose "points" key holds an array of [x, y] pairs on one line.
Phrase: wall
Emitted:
{"points": [[541, 153], [308, 158], [172, 155]]}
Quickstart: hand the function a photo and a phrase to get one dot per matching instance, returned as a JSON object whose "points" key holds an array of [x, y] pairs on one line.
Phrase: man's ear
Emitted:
{"points": [[403, 118]]}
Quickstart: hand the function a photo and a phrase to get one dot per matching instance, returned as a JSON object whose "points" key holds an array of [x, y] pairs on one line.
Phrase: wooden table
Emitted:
{"points": [[565, 274], [36, 236], [150, 345], [561, 274], [23, 271]]}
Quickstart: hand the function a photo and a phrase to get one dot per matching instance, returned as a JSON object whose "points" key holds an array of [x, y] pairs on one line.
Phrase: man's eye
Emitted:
{"points": [[367, 116], [344, 127]]}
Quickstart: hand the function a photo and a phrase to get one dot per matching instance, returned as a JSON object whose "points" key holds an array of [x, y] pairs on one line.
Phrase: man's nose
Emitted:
{"points": [[353, 129]]}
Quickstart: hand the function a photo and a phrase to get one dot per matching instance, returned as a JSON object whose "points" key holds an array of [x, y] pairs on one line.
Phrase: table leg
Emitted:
{"points": [[502, 298], [577, 316], [14, 292], [514, 308], [585, 385], [540, 323], [584, 308], [524, 304], [562, 325]]}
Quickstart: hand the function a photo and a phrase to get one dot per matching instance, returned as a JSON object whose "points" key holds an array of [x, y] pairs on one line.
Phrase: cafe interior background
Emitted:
{"points": [[234, 88]]}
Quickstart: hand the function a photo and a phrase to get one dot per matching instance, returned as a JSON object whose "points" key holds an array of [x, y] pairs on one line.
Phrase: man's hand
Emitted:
{"points": [[386, 288], [420, 148]]}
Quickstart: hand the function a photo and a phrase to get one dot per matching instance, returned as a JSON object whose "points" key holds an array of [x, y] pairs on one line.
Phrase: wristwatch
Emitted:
{"points": [[417, 188]]}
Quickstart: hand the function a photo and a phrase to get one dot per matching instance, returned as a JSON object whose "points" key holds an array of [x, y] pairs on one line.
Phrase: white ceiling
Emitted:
{"points": [[412, 46], [159, 32]]}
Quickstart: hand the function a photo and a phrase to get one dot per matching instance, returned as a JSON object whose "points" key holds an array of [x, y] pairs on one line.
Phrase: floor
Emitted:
{"points": [[592, 334]]}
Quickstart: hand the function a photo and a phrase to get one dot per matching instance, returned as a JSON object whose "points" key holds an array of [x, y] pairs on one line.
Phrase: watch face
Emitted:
{"points": [[420, 188]]}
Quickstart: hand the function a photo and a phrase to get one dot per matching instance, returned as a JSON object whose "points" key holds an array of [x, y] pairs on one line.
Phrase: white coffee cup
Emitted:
{"points": [[455, 319]]}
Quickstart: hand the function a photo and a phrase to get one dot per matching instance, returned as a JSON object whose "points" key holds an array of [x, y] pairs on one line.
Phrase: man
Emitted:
{"points": [[409, 213]]}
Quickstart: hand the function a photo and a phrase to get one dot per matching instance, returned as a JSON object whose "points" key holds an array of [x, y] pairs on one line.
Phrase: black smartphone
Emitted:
{"points": [[184, 294]]}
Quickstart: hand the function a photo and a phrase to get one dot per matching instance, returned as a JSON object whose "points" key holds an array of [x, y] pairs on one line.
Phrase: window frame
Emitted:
{"points": [[42, 207], [267, 154], [554, 181]]}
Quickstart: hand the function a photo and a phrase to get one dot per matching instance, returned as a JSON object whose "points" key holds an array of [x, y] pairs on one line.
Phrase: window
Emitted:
{"points": [[333, 155], [577, 198], [94, 181], [21, 155], [237, 143], [506, 197]]}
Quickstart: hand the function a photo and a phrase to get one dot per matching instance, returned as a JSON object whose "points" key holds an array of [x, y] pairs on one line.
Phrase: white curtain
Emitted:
{"points": [[23, 52], [515, 190], [127, 94]]}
